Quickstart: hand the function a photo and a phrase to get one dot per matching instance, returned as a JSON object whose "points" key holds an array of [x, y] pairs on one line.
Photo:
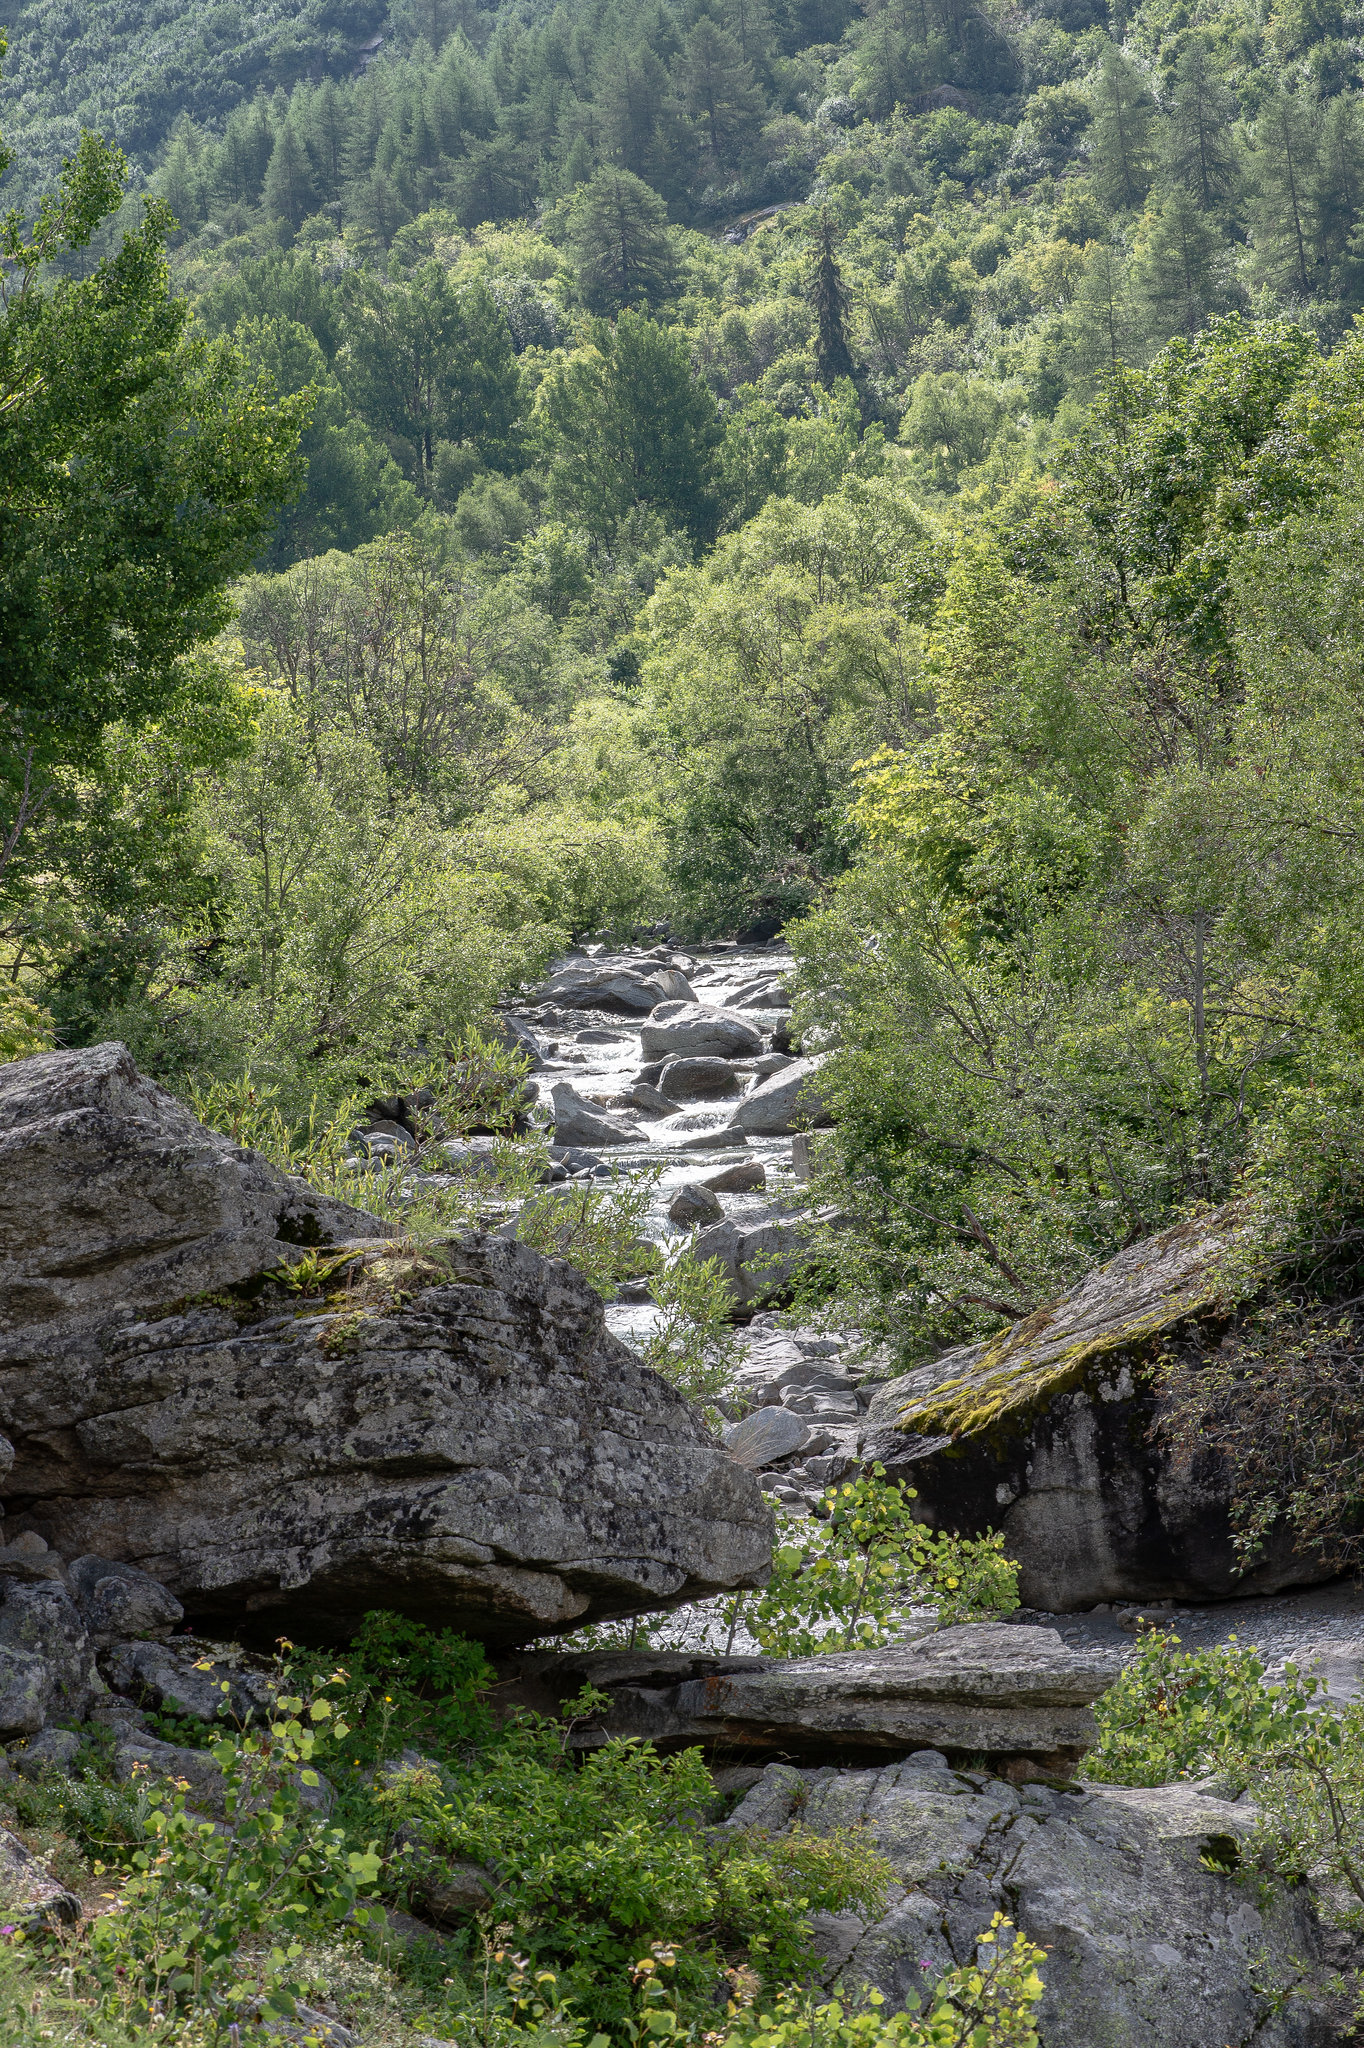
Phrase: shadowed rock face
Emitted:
{"points": [[1045, 1432], [487, 1457]]}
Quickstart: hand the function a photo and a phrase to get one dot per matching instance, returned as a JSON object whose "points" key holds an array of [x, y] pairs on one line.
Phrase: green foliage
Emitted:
{"points": [[628, 425], [991, 2003], [694, 1343], [141, 471], [596, 1859], [198, 1893], [843, 1582], [1178, 1713]]}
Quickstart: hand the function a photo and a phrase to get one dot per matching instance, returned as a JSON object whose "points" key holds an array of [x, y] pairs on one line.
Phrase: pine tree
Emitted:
{"points": [[833, 357], [618, 240], [1336, 187], [289, 193], [1287, 136], [721, 96], [1200, 153], [1122, 151], [1174, 269]]}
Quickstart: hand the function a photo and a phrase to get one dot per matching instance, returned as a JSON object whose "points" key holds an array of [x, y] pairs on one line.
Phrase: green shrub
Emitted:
{"points": [[843, 1580], [594, 1859], [987, 2004], [1178, 1713]]}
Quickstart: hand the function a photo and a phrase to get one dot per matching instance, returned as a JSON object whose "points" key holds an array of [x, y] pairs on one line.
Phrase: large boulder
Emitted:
{"points": [[626, 986], [698, 1031], [686, 1080], [757, 1263], [462, 1441], [1151, 1941], [580, 1122], [787, 1101], [112, 1196], [1045, 1432], [1017, 1695]]}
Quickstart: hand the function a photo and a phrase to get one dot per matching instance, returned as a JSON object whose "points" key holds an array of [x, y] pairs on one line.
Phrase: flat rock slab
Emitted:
{"points": [[1016, 1694], [484, 1456], [1145, 1946]]}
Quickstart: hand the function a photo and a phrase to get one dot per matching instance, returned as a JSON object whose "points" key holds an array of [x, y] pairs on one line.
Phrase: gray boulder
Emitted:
{"points": [[118, 1600], [200, 1774], [30, 1893], [778, 1105], [693, 1204], [689, 1080], [195, 1680], [765, 1437], [1046, 1432], [578, 1122], [1146, 1945], [757, 1263], [481, 1453], [47, 1661], [696, 1031], [113, 1197], [619, 984]]}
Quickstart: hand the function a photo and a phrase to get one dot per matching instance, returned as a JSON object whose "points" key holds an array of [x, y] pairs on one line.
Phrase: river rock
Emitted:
{"points": [[686, 1080], [785, 1100], [618, 984], [757, 1263], [113, 1197], [467, 1445], [1045, 1432], [745, 1177], [696, 1031], [578, 1122], [693, 1204], [1146, 1946], [765, 1436]]}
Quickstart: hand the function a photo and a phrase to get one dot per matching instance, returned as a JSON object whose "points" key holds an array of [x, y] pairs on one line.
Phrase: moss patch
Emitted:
{"points": [[1117, 1309]]}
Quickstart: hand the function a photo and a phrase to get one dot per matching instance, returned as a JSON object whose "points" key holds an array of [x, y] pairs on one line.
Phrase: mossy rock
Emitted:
{"points": [[1045, 1431]]}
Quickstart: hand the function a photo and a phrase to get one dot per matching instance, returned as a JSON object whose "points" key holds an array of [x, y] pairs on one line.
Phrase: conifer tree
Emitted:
{"points": [[1286, 155], [1200, 152], [721, 95], [618, 240], [289, 192], [833, 357], [1174, 270], [1122, 137]]}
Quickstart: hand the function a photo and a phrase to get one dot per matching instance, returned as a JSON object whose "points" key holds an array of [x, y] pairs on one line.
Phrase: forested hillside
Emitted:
{"points": [[886, 466]]}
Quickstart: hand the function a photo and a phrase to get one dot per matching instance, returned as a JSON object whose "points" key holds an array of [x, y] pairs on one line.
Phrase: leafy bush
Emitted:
{"points": [[843, 1580], [593, 1859], [1178, 1713], [989, 2004]]}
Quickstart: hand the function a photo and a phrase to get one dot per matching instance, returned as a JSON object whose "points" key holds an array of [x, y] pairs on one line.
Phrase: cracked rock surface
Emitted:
{"points": [[485, 1456], [1147, 1947]]}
